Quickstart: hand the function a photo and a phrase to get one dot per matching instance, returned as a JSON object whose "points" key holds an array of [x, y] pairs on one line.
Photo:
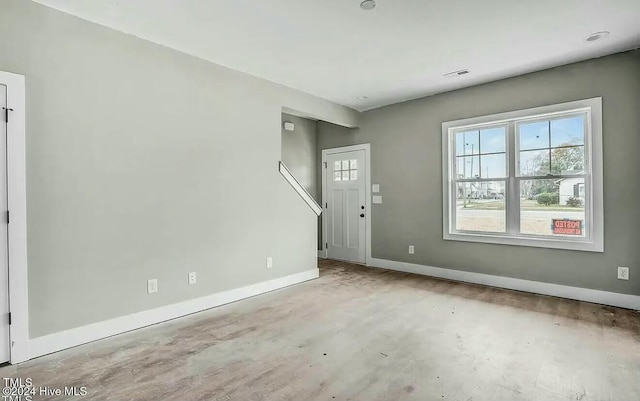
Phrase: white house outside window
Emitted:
{"points": [[530, 177]]}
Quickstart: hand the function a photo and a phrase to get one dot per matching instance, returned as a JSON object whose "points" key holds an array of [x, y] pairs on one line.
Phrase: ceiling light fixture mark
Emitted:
{"points": [[368, 5]]}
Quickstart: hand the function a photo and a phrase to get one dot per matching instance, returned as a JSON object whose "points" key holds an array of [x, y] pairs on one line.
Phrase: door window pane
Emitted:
{"points": [[551, 207], [337, 175], [354, 175], [480, 206]]}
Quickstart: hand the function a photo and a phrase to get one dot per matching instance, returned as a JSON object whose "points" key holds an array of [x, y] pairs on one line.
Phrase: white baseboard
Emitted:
{"points": [[322, 254], [556, 290], [70, 338]]}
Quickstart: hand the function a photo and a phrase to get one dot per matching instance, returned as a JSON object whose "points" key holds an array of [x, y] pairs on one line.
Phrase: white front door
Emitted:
{"points": [[345, 206], [4, 261]]}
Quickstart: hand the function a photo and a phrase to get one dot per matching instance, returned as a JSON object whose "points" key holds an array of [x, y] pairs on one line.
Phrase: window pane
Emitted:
{"points": [[345, 176], [354, 164], [354, 175], [468, 167], [534, 135], [480, 206], [493, 166], [492, 140], [345, 164], [534, 162], [336, 165], [572, 192], [467, 143], [567, 131], [567, 160], [552, 207], [337, 175]]}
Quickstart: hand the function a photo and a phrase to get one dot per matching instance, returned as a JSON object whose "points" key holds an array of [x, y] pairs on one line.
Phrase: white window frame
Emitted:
{"points": [[594, 213]]}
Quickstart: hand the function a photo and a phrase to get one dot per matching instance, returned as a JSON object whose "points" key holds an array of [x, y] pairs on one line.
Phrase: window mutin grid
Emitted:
{"points": [[345, 170], [513, 178]]}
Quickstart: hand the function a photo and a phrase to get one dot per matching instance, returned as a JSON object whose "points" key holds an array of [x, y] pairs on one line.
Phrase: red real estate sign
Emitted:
{"points": [[567, 227]]}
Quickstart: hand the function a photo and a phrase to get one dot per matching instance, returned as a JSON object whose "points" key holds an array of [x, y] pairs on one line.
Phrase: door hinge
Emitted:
{"points": [[326, 206], [326, 245], [7, 217], [6, 113], [9, 318], [325, 164]]}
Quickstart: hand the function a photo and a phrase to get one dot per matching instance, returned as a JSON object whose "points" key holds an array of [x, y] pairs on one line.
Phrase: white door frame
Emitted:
{"points": [[17, 205], [367, 195]]}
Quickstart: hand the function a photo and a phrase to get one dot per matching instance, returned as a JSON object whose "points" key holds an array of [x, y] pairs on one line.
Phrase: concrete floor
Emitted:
{"points": [[365, 334]]}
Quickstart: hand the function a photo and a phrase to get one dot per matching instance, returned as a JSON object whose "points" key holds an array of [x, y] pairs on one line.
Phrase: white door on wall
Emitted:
{"points": [[345, 206], [4, 261]]}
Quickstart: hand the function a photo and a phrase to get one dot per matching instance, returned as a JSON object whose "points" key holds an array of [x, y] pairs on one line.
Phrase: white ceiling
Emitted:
{"points": [[399, 51]]}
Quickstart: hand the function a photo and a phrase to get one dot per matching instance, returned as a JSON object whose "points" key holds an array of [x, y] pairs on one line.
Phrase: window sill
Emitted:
{"points": [[570, 245]]}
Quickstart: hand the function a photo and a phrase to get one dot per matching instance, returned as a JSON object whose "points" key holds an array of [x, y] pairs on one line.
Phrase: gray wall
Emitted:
{"points": [[300, 154], [142, 163], [407, 163]]}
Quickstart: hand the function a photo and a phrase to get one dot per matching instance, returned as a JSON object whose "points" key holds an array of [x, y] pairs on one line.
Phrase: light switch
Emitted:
{"points": [[152, 286], [375, 188], [377, 199]]}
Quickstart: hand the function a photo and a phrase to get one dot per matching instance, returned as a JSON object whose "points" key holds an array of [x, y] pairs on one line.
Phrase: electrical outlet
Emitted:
{"points": [[623, 273], [411, 249], [192, 278], [269, 262], [152, 285]]}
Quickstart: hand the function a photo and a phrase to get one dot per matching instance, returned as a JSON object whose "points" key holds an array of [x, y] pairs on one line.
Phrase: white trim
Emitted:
{"points": [[594, 205], [70, 338], [367, 193], [322, 254], [563, 291], [291, 179], [17, 205]]}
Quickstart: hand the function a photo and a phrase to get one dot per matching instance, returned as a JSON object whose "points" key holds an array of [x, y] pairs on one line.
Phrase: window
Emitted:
{"points": [[345, 170], [530, 177]]}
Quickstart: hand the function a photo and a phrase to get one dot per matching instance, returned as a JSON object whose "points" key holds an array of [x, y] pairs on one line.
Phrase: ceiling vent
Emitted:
{"points": [[458, 73], [597, 36]]}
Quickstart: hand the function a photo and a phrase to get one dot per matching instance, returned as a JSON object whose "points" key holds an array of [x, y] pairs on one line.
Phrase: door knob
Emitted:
{"points": [[362, 215]]}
